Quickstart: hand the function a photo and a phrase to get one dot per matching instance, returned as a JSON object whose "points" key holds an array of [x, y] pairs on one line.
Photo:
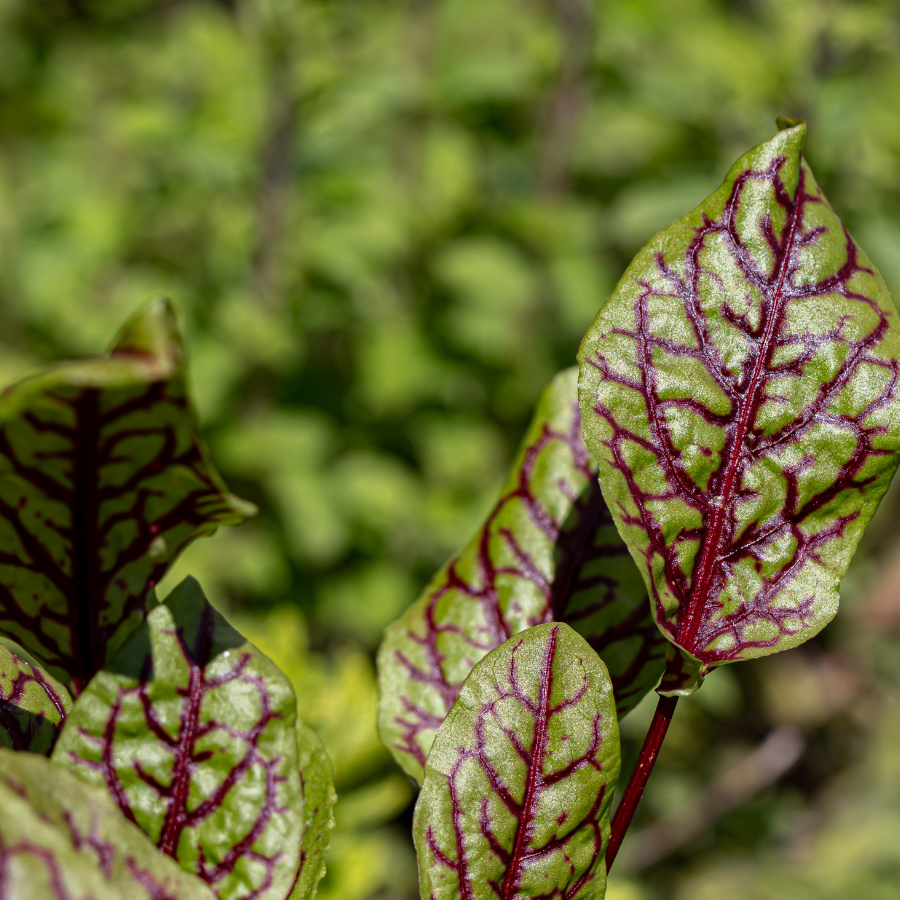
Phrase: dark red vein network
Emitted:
{"points": [[187, 758], [12, 851], [518, 855], [574, 594], [702, 625], [85, 511], [18, 719], [88, 841], [483, 588]]}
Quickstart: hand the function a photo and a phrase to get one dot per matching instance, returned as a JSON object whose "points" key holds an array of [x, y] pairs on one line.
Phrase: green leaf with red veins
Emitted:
{"points": [[317, 784], [549, 551], [194, 734], [515, 802], [62, 839], [739, 389], [33, 706], [103, 481]]}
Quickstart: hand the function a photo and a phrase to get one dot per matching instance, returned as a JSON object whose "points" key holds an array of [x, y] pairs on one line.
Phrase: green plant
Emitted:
{"points": [[738, 394], [187, 733]]}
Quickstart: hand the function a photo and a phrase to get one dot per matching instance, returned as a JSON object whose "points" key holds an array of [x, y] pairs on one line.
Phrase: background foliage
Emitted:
{"points": [[386, 224]]}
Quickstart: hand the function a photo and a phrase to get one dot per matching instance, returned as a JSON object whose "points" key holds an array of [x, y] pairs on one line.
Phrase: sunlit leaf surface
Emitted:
{"points": [[517, 789], [33, 705], [193, 732], [739, 389], [62, 839]]}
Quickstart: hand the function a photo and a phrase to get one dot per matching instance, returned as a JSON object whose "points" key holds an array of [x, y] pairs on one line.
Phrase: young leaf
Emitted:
{"points": [[548, 552], [739, 389], [103, 481], [33, 705], [62, 839], [194, 734], [515, 802]]}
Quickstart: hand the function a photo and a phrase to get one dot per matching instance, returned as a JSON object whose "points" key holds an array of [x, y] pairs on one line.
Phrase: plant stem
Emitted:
{"points": [[638, 781]]}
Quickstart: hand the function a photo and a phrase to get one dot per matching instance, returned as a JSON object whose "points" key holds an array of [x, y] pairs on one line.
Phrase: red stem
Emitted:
{"points": [[638, 781]]}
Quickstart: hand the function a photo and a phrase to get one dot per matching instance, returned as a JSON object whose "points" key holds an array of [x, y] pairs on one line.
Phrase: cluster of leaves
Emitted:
{"points": [[739, 391], [389, 175], [205, 782]]}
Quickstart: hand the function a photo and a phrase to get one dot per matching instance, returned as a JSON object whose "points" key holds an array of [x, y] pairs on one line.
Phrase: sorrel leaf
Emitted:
{"points": [[33, 705], [62, 839], [739, 389], [548, 551], [194, 734], [517, 787], [103, 481], [317, 785]]}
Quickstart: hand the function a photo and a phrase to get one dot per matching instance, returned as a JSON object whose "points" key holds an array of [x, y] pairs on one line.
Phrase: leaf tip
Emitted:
{"points": [[152, 333], [786, 122]]}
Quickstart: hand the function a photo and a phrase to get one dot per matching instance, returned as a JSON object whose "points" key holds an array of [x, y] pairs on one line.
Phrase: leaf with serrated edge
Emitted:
{"points": [[193, 731], [103, 481], [317, 781], [548, 551], [62, 839], [33, 705], [739, 389], [515, 802]]}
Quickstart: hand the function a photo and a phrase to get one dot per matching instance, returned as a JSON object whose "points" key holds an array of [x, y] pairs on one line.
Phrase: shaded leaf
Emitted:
{"points": [[193, 732], [33, 705], [517, 789], [548, 551], [62, 839], [103, 481], [739, 389]]}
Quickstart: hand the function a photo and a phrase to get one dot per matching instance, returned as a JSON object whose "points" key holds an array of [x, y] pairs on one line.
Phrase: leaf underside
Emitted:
{"points": [[62, 839], [194, 733], [549, 551], [103, 481], [33, 706], [515, 802], [739, 389]]}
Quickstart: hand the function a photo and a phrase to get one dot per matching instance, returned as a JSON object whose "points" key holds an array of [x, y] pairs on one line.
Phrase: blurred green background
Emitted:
{"points": [[386, 224]]}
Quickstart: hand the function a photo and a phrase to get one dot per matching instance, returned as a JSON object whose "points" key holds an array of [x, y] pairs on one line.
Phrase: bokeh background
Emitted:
{"points": [[386, 224]]}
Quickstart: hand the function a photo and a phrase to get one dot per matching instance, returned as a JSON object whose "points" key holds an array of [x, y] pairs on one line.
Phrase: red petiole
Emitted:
{"points": [[638, 781]]}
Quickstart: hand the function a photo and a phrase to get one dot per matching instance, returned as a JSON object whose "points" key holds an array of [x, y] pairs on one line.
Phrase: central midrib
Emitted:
{"points": [[181, 777], [85, 533], [687, 635], [538, 751], [197, 661]]}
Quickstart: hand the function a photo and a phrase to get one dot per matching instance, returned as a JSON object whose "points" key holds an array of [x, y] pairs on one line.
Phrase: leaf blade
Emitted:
{"points": [[103, 481], [65, 840], [194, 733], [547, 552], [33, 706], [739, 391], [515, 801]]}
